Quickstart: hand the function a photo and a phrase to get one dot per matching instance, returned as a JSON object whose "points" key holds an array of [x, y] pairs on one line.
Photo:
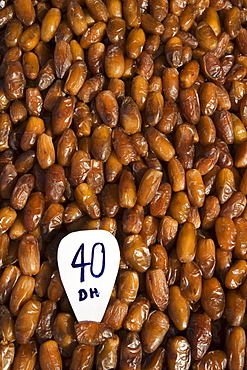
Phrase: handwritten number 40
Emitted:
{"points": [[82, 264]]}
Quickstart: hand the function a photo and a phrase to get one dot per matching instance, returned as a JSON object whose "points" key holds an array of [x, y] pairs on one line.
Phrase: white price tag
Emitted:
{"points": [[88, 262]]}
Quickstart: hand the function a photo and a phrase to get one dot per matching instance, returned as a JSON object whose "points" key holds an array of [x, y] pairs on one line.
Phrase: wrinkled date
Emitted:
{"points": [[131, 117]]}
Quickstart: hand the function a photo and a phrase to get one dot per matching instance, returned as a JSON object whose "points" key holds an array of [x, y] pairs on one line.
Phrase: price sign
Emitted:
{"points": [[88, 262]]}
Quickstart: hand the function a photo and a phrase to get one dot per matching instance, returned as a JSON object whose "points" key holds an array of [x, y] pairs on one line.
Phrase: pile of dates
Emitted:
{"points": [[128, 116]]}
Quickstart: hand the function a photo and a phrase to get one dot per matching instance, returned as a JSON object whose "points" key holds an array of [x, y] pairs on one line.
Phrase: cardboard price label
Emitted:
{"points": [[88, 262]]}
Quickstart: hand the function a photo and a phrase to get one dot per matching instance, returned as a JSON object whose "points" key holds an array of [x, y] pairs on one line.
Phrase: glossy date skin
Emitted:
{"points": [[127, 116]]}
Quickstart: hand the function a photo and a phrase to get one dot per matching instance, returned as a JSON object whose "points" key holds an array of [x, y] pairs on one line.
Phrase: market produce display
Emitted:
{"points": [[128, 116]]}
